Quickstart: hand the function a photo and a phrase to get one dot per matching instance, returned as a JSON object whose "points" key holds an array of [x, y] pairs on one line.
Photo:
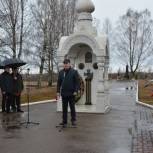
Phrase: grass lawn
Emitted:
{"points": [[145, 93], [35, 94]]}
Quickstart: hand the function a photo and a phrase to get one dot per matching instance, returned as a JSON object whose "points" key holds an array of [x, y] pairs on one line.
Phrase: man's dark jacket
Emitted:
{"points": [[6, 82], [68, 82], [17, 83]]}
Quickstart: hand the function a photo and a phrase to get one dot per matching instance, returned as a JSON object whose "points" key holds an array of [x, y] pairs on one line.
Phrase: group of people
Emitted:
{"points": [[11, 84]]}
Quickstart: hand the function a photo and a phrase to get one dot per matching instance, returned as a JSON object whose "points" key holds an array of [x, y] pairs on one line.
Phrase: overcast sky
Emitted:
{"points": [[112, 9]]}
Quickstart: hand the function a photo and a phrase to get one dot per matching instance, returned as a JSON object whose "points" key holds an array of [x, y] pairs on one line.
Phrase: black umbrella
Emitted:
{"points": [[2, 66], [12, 62]]}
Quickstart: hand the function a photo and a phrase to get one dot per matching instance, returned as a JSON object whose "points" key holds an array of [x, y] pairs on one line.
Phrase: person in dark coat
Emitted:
{"points": [[17, 89], [67, 87], [6, 89]]}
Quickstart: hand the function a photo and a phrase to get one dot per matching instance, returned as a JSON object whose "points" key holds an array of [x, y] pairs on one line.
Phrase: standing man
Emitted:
{"points": [[6, 89], [67, 87], [17, 89]]}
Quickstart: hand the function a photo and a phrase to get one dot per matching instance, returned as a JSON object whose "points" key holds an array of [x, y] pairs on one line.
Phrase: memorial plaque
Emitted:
{"points": [[88, 57]]}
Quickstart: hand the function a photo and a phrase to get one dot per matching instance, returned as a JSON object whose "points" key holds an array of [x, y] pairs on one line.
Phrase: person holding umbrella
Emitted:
{"points": [[17, 89], [6, 89], [9, 84]]}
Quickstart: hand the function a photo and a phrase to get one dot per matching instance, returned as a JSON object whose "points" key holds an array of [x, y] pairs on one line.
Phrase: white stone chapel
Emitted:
{"points": [[89, 54]]}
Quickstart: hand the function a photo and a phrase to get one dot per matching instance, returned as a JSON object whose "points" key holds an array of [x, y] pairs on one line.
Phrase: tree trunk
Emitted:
{"points": [[133, 74], [49, 70], [50, 76], [21, 32], [14, 41], [41, 72]]}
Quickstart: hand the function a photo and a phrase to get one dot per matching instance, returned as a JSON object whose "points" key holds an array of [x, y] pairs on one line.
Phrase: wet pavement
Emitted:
{"points": [[126, 128]]}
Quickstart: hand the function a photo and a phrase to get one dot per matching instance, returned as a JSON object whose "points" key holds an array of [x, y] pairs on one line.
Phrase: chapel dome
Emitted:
{"points": [[85, 6]]}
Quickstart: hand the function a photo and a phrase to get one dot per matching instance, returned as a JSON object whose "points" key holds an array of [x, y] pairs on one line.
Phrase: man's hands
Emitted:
{"points": [[58, 94], [75, 93]]}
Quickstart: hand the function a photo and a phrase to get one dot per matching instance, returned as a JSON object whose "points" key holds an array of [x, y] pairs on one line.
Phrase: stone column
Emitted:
{"points": [[106, 84], [100, 101], [100, 77], [106, 67], [102, 94]]}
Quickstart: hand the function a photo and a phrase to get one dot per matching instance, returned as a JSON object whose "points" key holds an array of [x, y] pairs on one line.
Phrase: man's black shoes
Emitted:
{"points": [[74, 123], [20, 111], [63, 124]]}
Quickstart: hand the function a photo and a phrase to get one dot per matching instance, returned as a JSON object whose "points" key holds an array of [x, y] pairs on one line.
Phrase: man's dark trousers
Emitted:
{"points": [[16, 102], [8, 102], [65, 101]]}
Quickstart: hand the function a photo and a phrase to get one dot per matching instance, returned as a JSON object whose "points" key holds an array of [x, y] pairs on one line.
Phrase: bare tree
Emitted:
{"points": [[52, 20], [21, 29], [53, 37], [133, 38], [40, 33], [61, 22], [12, 27], [67, 16]]}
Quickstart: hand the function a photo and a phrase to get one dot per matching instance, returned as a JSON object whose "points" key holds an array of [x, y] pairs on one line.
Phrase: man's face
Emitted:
{"points": [[66, 66], [7, 69], [15, 70]]}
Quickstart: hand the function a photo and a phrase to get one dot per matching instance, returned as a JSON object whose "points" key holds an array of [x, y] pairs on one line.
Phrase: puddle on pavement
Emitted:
{"points": [[11, 121], [130, 131]]}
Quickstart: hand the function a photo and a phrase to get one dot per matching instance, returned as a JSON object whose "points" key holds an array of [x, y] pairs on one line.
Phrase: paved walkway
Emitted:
{"points": [[143, 135], [126, 128]]}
